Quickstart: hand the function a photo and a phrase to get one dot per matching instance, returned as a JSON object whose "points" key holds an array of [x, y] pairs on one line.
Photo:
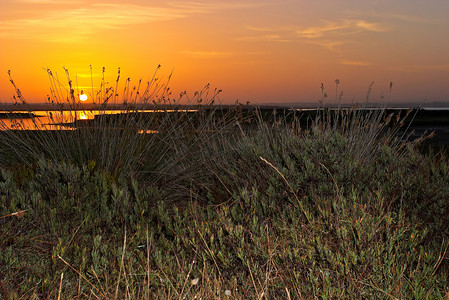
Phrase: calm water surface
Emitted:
{"points": [[54, 119]]}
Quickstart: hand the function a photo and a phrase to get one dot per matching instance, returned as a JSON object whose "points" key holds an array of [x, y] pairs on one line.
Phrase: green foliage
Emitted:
{"points": [[329, 212]]}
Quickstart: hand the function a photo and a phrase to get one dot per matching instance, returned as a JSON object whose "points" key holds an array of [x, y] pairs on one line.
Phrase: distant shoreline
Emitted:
{"points": [[425, 119], [390, 105], [268, 105]]}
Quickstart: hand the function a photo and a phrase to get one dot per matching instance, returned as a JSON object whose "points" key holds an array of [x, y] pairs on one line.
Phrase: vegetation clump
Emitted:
{"points": [[233, 206]]}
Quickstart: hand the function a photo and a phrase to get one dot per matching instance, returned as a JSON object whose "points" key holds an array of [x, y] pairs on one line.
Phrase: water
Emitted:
{"points": [[56, 119], [428, 119]]}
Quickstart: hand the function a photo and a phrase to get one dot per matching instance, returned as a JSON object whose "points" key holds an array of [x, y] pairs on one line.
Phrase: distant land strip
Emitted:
{"points": [[143, 106]]}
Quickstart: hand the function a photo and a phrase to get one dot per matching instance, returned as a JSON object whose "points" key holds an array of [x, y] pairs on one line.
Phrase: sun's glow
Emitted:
{"points": [[261, 51]]}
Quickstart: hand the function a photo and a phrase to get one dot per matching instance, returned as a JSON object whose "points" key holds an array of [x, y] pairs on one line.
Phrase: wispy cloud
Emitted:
{"points": [[334, 35], [345, 27], [47, 1], [329, 34], [268, 34], [265, 38], [251, 62], [420, 68], [407, 18], [211, 6], [75, 22], [271, 28], [355, 63], [329, 44], [442, 67], [211, 54], [389, 16], [261, 29], [208, 54]]}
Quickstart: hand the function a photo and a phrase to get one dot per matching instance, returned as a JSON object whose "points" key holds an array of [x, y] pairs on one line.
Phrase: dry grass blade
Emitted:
{"points": [[121, 265], [441, 257], [211, 253], [18, 214], [147, 267], [77, 272], [98, 280], [288, 294], [60, 286], [382, 291], [288, 184], [186, 280], [253, 281], [333, 179]]}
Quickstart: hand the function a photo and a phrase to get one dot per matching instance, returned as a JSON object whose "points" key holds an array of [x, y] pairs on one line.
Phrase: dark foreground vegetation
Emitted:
{"points": [[221, 205], [209, 208]]}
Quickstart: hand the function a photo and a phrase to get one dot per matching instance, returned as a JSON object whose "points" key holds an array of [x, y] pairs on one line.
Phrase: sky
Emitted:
{"points": [[258, 51]]}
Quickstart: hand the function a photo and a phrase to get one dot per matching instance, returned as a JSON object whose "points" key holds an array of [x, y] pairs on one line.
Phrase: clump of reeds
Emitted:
{"points": [[148, 135]]}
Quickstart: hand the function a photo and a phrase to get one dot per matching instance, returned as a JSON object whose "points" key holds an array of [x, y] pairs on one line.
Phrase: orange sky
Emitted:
{"points": [[261, 51]]}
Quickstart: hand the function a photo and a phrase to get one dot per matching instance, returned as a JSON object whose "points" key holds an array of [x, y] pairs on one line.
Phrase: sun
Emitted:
{"points": [[83, 97]]}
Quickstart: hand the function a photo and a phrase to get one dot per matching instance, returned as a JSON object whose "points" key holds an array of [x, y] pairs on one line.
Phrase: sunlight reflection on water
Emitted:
{"points": [[59, 119]]}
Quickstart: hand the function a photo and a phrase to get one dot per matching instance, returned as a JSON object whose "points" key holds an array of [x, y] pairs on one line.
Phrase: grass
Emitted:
{"points": [[227, 205]]}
